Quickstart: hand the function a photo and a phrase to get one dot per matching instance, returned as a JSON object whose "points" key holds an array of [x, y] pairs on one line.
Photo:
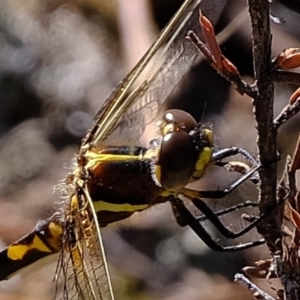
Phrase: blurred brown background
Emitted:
{"points": [[58, 62]]}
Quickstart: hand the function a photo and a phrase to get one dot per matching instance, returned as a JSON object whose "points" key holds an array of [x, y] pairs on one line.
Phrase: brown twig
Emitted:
{"points": [[259, 12], [288, 112], [288, 264], [266, 72], [254, 289]]}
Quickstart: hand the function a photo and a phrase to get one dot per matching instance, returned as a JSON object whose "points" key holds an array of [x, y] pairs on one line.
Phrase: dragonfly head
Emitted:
{"points": [[185, 150]]}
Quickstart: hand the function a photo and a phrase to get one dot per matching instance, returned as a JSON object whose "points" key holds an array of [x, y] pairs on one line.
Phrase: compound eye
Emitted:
{"points": [[180, 118], [177, 160]]}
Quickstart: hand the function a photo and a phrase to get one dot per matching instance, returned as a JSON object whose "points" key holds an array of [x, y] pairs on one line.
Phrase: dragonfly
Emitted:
{"points": [[114, 175]]}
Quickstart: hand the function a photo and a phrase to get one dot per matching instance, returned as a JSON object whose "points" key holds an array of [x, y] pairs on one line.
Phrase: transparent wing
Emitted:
{"points": [[139, 99], [136, 103], [82, 271]]}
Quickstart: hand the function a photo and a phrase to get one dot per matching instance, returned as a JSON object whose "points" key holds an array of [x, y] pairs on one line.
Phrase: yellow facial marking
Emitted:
{"points": [[105, 206], [203, 161], [209, 134], [17, 252]]}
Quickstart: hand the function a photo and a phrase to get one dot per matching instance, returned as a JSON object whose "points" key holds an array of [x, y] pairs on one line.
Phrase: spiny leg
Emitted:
{"points": [[184, 217], [229, 209], [218, 194], [212, 217], [227, 152]]}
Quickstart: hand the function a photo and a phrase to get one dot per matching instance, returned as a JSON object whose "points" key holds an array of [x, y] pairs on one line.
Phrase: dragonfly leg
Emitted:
{"points": [[213, 218], [227, 152], [229, 209], [185, 217], [218, 194]]}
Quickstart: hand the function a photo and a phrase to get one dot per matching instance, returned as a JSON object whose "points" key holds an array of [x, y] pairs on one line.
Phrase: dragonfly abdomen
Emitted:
{"points": [[43, 241]]}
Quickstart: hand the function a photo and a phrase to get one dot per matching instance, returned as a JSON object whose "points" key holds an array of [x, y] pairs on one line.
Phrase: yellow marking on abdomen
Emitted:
{"points": [[106, 206], [17, 252], [56, 235]]}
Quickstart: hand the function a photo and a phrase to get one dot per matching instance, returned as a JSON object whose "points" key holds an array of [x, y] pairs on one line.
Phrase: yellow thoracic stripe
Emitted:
{"points": [[17, 252], [106, 206], [114, 157], [95, 158]]}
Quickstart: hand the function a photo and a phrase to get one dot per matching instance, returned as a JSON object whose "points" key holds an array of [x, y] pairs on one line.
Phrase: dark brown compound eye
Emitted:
{"points": [[181, 118], [177, 154]]}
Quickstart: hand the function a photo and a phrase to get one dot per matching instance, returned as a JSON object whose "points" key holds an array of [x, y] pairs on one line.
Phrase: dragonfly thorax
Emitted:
{"points": [[185, 150]]}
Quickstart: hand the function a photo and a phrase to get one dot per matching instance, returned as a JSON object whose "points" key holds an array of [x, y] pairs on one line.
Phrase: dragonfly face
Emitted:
{"points": [[184, 152], [111, 179]]}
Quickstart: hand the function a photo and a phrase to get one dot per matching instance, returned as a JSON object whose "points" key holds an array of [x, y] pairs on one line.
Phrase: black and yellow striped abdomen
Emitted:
{"points": [[43, 241]]}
